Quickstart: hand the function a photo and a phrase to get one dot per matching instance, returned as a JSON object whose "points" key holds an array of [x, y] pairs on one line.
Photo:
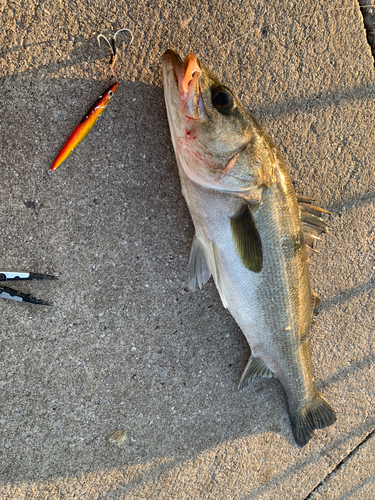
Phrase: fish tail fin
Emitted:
{"points": [[317, 415]]}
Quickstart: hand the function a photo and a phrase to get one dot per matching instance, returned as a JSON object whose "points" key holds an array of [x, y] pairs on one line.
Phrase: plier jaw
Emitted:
{"points": [[9, 293]]}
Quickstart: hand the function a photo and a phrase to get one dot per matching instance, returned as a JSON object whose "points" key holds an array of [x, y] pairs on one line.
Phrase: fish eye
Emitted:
{"points": [[222, 99], [110, 93]]}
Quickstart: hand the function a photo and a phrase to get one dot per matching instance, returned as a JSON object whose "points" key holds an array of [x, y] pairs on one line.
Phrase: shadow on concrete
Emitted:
{"points": [[126, 161]]}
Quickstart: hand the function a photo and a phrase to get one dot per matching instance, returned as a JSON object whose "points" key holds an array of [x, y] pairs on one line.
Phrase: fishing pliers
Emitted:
{"points": [[9, 293]]}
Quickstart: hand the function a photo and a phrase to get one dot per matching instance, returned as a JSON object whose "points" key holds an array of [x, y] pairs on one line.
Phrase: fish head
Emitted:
{"points": [[217, 142]]}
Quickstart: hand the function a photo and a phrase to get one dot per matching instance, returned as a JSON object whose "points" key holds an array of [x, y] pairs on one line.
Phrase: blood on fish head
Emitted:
{"points": [[211, 131]]}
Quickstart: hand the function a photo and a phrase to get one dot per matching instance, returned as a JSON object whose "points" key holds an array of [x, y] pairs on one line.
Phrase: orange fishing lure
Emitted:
{"points": [[85, 126]]}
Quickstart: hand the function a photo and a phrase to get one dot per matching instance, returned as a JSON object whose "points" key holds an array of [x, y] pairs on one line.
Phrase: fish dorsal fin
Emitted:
{"points": [[255, 368], [198, 268], [246, 239], [203, 262], [312, 223], [316, 302]]}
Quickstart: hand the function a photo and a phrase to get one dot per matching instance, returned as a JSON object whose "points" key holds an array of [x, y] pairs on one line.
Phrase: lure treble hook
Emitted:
{"points": [[112, 44]]}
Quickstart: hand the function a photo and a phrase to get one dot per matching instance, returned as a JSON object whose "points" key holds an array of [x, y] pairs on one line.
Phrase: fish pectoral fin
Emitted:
{"points": [[246, 239], [255, 368], [316, 415], [198, 268]]}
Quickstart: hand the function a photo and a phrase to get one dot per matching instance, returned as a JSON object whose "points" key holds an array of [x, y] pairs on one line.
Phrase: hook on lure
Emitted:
{"points": [[112, 44], [87, 123]]}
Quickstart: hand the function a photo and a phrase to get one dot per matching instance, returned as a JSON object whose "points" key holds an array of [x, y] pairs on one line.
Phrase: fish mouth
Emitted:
{"points": [[187, 79]]}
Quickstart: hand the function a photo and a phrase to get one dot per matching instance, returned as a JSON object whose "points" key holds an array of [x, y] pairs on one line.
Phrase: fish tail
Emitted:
{"points": [[317, 415]]}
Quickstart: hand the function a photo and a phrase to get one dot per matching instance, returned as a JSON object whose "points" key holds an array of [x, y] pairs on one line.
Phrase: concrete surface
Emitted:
{"points": [[127, 346]]}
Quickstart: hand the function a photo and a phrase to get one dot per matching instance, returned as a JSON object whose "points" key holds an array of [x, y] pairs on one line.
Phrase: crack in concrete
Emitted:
{"points": [[341, 463], [368, 12]]}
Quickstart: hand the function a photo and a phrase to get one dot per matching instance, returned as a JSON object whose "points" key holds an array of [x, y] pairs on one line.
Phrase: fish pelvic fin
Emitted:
{"points": [[255, 368], [317, 415]]}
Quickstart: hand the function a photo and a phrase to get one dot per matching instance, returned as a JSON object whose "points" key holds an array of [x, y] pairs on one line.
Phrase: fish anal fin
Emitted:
{"points": [[198, 268], [246, 239], [255, 368], [316, 415]]}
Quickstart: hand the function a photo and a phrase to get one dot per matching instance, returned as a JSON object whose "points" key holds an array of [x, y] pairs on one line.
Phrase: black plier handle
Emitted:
{"points": [[9, 293]]}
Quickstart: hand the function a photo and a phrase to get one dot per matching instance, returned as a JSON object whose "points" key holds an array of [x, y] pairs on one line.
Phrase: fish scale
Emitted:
{"points": [[248, 232], [268, 302]]}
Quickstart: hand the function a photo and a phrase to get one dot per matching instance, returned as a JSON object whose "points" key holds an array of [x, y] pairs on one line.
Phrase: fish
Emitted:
{"points": [[85, 126], [252, 234]]}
